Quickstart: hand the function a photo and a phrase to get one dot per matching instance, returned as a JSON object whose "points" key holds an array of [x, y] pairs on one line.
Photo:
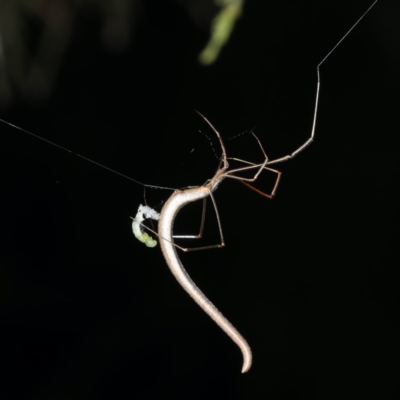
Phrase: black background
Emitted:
{"points": [[311, 278]]}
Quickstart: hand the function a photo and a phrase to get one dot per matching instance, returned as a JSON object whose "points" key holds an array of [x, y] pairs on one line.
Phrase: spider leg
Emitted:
{"points": [[311, 137], [145, 203], [200, 234], [259, 168], [270, 195], [267, 162]]}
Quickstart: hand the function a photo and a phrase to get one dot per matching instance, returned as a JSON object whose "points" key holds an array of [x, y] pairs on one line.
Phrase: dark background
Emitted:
{"points": [[311, 278]]}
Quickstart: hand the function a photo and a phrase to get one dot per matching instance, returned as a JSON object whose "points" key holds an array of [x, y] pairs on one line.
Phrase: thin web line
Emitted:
{"points": [[85, 158]]}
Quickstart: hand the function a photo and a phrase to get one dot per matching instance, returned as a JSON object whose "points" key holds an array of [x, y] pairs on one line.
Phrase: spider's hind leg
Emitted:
{"points": [[259, 168], [270, 195]]}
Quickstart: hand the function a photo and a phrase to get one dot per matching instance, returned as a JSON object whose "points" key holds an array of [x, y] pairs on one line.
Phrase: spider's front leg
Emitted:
{"points": [[143, 237], [200, 234], [201, 230]]}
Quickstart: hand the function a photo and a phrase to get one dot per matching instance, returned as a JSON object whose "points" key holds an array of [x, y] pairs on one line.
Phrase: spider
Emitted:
{"points": [[181, 197]]}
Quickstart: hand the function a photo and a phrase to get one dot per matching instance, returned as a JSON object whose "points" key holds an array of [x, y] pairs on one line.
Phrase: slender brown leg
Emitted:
{"points": [[273, 192], [200, 234]]}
